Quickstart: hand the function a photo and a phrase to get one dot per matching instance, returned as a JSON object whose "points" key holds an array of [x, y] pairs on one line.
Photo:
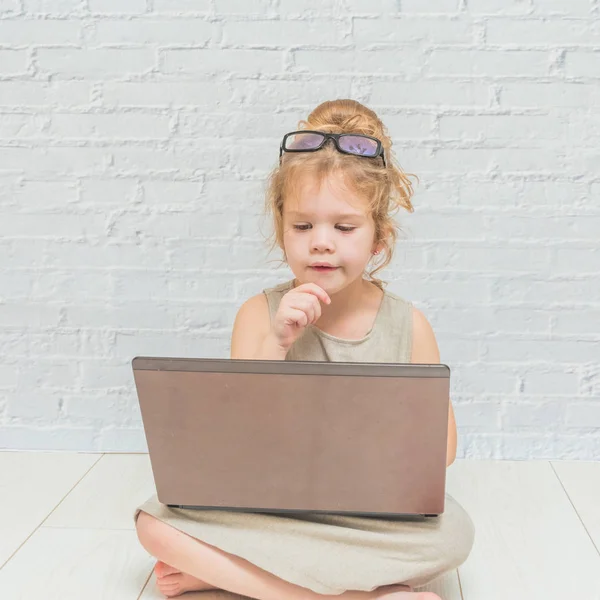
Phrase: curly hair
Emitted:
{"points": [[387, 188]]}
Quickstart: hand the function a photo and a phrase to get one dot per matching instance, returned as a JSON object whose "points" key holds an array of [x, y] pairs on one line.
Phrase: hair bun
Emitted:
{"points": [[346, 116]]}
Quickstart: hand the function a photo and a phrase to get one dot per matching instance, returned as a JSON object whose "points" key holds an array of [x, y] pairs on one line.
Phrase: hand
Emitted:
{"points": [[298, 308]]}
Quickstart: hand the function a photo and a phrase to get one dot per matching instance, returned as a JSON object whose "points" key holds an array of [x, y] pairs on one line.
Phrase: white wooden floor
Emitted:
{"points": [[67, 532]]}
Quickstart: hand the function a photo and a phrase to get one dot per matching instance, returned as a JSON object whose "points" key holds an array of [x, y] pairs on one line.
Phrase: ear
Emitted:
{"points": [[380, 246]]}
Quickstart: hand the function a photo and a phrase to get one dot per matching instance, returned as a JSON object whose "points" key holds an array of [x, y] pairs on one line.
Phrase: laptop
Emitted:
{"points": [[365, 439]]}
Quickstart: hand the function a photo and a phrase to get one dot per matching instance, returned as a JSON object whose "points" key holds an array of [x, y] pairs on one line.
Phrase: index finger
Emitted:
{"points": [[319, 292]]}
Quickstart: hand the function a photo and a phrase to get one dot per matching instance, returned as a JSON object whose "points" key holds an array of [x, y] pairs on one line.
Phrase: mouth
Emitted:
{"points": [[324, 269]]}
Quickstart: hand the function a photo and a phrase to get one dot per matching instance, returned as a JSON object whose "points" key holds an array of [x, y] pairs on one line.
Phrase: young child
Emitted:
{"points": [[331, 199]]}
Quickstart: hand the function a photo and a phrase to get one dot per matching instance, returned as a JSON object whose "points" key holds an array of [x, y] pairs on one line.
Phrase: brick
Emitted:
{"points": [[9, 7], [78, 284], [245, 7], [181, 6], [155, 226], [25, 32], [164, 31], [106, 192], [111, 127], [36, 437], [131, 7], [504, 7], [45, 194], [553, 382], [17, 285], [565, 290], [188, 157], [372, 61], [549, 95], [571, 352], [496, 380], [483, 415], [567, 8], [577, 323], [44, 94], [488, 63], [432, 6], [96, 258], [265, 94], [28, 315], [52, 225], [582, 414], [95, 63], [536, 31], [582, 64], [54, 7], [13, 62], [284, 33], [8, 376], [17, 126], [216, 61], [362, 7], [530, 415], [52, 160], [160, 193], [531, 194], [503, 127], [490, 258], [105, 375], [543, 227], [149, 316], [207, 95], [424, 93], [481, 160], [34, 405], [443, 226], [411, 29], [577, 260]]}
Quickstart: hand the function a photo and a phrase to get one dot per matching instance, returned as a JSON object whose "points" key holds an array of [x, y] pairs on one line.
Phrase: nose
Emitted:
{"points": [[321, 240]]}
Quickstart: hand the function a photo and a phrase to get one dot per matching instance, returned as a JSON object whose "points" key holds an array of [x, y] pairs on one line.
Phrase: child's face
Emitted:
{"points": [[327, 224]]}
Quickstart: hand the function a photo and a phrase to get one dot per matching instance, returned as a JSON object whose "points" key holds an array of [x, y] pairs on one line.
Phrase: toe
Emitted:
{"points": [[163, 569], [173, 579]]}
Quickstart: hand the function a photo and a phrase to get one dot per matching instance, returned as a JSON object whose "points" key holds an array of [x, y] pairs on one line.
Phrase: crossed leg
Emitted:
{"points": [[210, 566]]}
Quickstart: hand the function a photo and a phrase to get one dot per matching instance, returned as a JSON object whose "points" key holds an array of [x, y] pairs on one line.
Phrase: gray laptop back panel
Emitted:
{"points": [[357, 438]]}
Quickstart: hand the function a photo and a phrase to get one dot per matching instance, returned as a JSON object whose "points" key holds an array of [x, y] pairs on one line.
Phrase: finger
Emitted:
{"points": [[312, 312], [307, 303], [298, 317], [318, 291], [318, 311]]}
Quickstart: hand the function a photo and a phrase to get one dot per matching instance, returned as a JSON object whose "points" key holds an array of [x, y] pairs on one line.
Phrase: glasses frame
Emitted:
{"points": [[335, 137]]}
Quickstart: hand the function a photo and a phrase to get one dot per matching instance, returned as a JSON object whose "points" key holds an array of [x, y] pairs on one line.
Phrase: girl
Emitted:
{"points": [[330, 197]]}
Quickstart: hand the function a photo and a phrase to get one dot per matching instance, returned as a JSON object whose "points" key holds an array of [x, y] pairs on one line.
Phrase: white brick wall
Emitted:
{"points": [[135, 138]]}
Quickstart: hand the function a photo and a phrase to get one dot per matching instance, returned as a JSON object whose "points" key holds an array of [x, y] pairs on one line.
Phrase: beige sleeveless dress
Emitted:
{"points": [[330, 554]]}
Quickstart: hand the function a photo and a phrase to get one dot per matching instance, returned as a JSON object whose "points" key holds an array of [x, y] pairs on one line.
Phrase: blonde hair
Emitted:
{"points": [[387, 188]]}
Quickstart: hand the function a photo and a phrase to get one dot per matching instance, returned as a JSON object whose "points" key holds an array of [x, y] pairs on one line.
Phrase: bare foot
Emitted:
{"points": [[172, 582], [403, 592]]}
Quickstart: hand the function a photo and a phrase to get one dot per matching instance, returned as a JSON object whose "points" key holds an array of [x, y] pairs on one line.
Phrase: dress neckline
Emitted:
{"points": [[334, 338]]}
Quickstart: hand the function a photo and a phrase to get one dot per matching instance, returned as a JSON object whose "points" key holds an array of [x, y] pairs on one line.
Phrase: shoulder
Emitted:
{"points": [[251, 325], [253, 320], [424, 345]]}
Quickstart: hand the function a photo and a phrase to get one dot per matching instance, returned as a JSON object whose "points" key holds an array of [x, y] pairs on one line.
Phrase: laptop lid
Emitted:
{"points": [[279, 436]]}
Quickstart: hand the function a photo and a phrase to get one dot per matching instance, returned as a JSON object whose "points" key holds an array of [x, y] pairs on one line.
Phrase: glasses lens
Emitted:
{"points": [[303, 141], [357, 144]]}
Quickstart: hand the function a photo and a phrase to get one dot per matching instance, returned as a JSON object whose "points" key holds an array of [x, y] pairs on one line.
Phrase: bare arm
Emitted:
{"points": [[425, 351], [251, 337]]}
